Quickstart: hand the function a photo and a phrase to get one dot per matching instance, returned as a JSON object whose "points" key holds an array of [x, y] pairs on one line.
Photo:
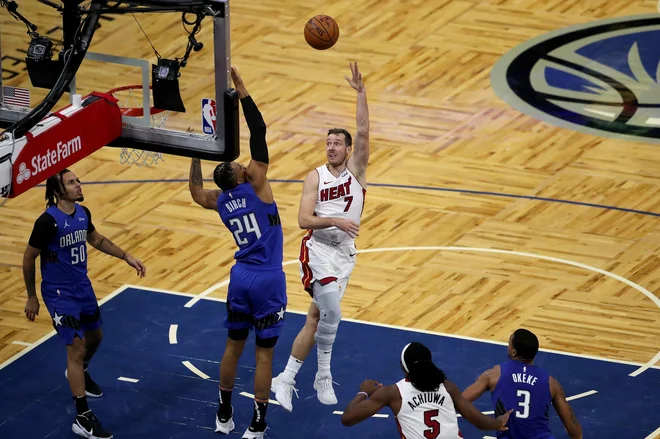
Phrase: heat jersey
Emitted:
{"points": [[525, 388], [339, 197], [255, 225], [426, 414], [64, 260]]}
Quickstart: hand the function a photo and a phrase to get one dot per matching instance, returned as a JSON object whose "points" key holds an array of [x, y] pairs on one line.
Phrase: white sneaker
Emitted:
{"points": [[224, 427], [249, 434], [283, 390], [324, 390]]}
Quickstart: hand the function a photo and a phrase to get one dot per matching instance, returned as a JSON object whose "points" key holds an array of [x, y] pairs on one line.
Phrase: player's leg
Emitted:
{"points": [[328, 301], [90, 322], [238, 321], [268, 296], [302, 345], [66, 321]]}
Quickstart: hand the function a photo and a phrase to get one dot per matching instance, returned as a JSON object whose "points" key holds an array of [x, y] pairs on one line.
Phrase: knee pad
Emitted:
{"points": [[330, 309], [267, 343], [238, 334]]}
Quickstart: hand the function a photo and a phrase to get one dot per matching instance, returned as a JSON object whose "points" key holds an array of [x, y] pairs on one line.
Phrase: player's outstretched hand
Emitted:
{"points": [[356, 79], [504, 418], [369, 386], [238, 83], [347, 226], [32, 308], [137, 264]]}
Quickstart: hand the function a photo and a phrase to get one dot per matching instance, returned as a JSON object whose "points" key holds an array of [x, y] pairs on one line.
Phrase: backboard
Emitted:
{"points": [[121, 54]]}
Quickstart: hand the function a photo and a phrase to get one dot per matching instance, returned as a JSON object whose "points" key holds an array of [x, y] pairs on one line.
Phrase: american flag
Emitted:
{"points": [[16, 96]]}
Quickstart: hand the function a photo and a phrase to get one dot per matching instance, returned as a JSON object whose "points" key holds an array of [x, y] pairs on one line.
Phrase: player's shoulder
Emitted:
{"points": [[46, 218]]}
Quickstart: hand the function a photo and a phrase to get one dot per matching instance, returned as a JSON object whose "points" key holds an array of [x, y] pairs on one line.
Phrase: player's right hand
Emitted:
{"points": [[32, 308], [504, 418], [347, 226]]}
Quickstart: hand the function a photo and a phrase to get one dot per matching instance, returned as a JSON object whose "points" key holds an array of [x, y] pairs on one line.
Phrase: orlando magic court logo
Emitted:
{"points": [[600, 78]]}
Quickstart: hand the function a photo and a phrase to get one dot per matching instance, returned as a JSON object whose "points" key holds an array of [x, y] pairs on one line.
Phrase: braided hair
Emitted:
{"points": [[224, 177], [422, 372], [55, 188]]}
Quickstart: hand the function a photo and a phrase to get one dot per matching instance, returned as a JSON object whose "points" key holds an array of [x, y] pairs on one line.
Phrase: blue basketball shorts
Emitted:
{"points": [[256, 300], [73, 308]]}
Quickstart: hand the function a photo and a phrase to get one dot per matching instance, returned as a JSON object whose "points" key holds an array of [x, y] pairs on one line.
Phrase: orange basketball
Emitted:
{"points": [[321, 32]]}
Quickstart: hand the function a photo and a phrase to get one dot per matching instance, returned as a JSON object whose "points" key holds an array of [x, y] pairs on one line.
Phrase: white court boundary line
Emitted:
{"points": [[654, 435], [614, 276], [172, 334]]}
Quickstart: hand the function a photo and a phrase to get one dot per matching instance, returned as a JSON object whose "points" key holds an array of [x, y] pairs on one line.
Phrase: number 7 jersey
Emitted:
{"points": [[338, 197], [255, 225]]}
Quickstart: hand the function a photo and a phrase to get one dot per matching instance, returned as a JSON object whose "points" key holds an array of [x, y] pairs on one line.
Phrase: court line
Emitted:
{"points": [[614, 276], [404, 328], [172, 335], [128, 380], [653, 361], [21, 343], [194, 370], [413, 187], [53, 332], [377, 415], [654, 435]]}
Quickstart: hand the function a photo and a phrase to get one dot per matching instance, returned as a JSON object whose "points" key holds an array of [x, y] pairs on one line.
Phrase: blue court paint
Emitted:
{"points": [[169, 401], [424, 188]]}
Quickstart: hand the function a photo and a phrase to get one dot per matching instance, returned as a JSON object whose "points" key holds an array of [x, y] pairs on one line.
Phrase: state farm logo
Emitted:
{"points": [[23, 173]]}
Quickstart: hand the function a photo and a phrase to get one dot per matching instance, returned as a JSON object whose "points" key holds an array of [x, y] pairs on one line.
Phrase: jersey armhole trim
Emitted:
{"points": [[400, 396]]}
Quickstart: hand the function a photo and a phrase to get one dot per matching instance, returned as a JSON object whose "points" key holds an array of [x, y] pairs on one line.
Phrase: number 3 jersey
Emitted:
{"points": [[426, 414], [525, 388], [255, 225]]}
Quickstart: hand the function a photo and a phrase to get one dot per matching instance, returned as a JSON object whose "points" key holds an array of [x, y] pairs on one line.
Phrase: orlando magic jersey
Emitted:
{"points": [[525, 388], [65, 259], [255, 225]]}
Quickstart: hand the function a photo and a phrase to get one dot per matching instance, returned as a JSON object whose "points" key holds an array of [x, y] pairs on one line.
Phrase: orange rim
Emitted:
{"points": [[133, 111]]}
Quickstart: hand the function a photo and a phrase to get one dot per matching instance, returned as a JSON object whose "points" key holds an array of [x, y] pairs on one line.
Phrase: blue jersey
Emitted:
{"points": [[65, 258], [255, 225], [525, 388]]}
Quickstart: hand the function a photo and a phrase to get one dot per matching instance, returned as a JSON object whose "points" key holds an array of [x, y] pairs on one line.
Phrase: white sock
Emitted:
{"points": [[292, 368], [324, 361]]}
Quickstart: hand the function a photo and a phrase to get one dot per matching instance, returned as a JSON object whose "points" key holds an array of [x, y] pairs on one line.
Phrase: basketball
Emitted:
{"points": [[321, 32]]}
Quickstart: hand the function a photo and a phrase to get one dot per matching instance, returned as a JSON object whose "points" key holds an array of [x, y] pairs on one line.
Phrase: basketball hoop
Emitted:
{"points": [[130, 104]]}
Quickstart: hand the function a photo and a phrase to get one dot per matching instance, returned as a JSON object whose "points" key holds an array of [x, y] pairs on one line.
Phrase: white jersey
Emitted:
{"points": [[341, 197], [426, 414]]}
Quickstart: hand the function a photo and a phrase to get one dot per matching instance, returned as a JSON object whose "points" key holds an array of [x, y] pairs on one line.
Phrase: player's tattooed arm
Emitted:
{"points": [[206, 198], [564, 410], [101, 243], [29, 263]]}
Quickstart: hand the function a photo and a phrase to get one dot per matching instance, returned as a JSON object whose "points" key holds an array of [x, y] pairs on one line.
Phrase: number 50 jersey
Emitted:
{"points": [[255, 225]]}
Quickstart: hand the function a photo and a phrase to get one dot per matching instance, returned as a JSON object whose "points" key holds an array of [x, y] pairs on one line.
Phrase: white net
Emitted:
{"points": [[132, 98]]}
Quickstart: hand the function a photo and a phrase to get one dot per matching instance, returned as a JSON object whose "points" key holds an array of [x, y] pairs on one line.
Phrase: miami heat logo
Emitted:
{"points": [[601, 78]]}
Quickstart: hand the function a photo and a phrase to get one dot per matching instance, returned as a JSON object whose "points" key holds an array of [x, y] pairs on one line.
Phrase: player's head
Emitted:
{"points": [[523, 345], [63, 186], [338, 145], [228, 175], [419, 368]]}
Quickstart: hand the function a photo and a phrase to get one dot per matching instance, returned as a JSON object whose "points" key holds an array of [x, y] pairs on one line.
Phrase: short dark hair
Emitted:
{"points": [[423, 374], [525, 343], [347, 135], [55, 188], [224, 177]]}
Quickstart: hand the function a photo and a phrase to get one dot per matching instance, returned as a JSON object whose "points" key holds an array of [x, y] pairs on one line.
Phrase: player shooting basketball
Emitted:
{"points": [[60, 236], [257, 284], [330, 208]]}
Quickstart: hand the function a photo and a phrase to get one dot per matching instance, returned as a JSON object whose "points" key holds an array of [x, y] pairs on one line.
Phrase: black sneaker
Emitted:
{"points": [[91, 388], [88, 426]]}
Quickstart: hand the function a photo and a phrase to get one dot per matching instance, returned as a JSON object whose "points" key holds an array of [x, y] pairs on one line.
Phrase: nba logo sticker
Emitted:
{"points": [[208, 116]]}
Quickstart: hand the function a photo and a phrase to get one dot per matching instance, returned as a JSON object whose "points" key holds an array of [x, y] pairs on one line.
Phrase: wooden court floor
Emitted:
{"points": [[436, 123]]}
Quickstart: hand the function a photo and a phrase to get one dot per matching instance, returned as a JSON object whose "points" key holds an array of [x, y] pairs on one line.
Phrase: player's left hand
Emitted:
{"points": [[356, 80], [137, 264], [504, 418], [369, 386]]}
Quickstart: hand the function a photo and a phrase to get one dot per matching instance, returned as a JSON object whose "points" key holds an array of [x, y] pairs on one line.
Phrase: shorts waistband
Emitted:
{"points": [[256, 267], [333, 243]]}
